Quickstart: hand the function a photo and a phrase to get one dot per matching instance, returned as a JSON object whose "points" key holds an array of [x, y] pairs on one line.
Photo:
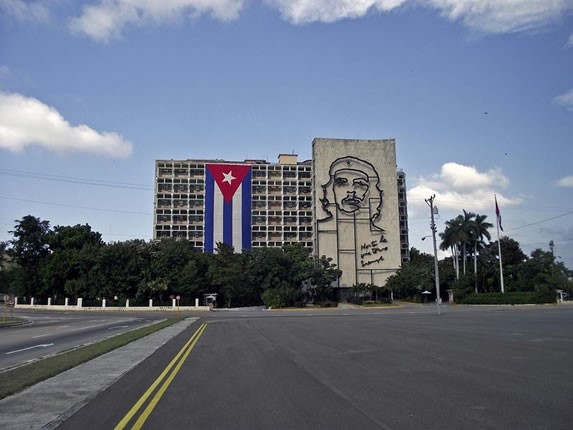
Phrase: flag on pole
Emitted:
{"points": [[227, 206], [498, 214]]}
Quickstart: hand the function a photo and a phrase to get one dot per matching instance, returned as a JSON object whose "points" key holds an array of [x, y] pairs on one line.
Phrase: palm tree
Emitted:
{"points": [[478, 231], [467, 221], [452, 237]]}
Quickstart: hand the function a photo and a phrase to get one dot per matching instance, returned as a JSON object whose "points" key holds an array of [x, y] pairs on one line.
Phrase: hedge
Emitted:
{"points": [[511, 298]]}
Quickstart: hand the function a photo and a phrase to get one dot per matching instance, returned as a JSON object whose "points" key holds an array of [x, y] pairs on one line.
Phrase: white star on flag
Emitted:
{"points": [[228, 177]]}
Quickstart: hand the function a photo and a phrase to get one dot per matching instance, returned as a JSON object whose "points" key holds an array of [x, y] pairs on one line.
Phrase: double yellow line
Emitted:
{"points": [[168, 374]]}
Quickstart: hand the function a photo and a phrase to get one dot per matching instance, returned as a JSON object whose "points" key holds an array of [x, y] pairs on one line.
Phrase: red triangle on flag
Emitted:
{"points": [[228, 177]]}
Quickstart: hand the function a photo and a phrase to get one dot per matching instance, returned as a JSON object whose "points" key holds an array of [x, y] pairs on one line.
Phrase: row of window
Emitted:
{"points": [[167, 171], [163, 224], [274, 220], [283, 205], [264, 198], [261, 189], [179, 165], [200, 197], [178, 211], [180, 188], [279, 174], [279, 183], [194, 227], [282, 167], [180, 181], [281, 228], [255, 237]]}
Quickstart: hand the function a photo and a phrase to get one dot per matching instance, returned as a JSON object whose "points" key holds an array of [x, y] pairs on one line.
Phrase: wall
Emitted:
{"points": [[356, 208]]}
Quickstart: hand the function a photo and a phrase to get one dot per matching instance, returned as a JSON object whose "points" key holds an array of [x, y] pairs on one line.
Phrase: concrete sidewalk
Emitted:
{"points": [[49, 403]]}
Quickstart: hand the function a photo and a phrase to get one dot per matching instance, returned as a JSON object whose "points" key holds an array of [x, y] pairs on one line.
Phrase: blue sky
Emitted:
{"points": [[477, 93]]}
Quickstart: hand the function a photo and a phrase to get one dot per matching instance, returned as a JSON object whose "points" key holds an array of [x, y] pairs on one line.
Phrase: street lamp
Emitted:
{"points": [[430, 203]]}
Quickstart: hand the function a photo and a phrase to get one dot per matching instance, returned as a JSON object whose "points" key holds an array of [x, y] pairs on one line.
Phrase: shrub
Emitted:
{"points": [[510, 298], [328, 304]]}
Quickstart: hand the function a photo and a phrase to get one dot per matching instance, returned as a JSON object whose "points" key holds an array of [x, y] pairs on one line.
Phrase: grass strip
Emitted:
{"points": [[15, 380], [378, 305], [9, 321]]}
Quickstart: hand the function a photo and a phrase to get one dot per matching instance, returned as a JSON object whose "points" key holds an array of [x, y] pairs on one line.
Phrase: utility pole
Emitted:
{"points": [[430, 203]]}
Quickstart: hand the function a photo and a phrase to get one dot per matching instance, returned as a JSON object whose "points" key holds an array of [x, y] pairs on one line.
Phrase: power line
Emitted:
{"points": [[77, 207], [540, 222], [75, 180]]}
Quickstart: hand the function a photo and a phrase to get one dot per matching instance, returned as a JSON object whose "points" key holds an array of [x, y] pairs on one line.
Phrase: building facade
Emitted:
{"points": [[357, 208], [280, 197], [253, 203]]}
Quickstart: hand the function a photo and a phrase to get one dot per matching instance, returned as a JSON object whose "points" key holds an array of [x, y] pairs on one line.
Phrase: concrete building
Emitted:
{"points": [[360, 208], [254, 203], [280, 202]]}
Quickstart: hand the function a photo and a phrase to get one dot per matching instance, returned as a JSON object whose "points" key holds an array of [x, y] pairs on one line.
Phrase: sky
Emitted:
{"points": [[477, 93]]}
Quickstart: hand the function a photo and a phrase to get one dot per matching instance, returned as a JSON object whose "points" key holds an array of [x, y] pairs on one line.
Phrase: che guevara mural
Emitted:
{"points": [[356, 208]]}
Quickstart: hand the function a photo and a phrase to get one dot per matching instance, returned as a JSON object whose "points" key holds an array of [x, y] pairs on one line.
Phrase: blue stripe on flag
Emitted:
{"points": [[228, 223], [246, 211], [209, 210]]}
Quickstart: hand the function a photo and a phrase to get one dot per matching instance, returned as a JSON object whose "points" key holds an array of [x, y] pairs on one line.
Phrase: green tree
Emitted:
{"points": [[72, 258], [269, 268], [467, 225], [29, 249], [168, 259], [193, 281], [413, 277], [229, 275], [478, 230], [323, 277], [541, 273], [488, 260], [453, 236], [124, 270]]}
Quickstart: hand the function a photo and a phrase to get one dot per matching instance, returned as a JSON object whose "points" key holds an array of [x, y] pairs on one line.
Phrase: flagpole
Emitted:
{"points": [[499, 245]]}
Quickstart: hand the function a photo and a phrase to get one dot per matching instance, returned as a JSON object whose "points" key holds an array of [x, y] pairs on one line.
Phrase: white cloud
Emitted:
{"points": [[565, 100], [306, 11], [106, 20], [567, 181], [570, 40], [461, 178], [460, 187], [503, 16], [456, 188], [26, 121], [491, 16], [24, 10]]}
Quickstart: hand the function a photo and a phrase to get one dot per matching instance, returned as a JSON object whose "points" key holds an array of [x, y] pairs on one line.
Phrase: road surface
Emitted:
{"points": [[468, 368]]}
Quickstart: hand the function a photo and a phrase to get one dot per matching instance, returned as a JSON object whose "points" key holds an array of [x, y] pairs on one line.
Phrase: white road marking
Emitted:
{"points": [[117, 326], [45, 345]]}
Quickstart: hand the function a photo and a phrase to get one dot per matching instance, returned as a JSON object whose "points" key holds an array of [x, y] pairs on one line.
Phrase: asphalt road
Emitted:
{"points": [[408, 368], [52, 332]]}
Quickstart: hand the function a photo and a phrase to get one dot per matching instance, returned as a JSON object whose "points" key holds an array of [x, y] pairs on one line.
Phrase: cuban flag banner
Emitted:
{"points": [[228, 206]]}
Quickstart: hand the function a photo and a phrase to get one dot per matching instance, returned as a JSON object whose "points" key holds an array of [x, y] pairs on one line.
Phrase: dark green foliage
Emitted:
{"points": [[511, 298], [29, 249], [74, 262], [414, 277]]}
